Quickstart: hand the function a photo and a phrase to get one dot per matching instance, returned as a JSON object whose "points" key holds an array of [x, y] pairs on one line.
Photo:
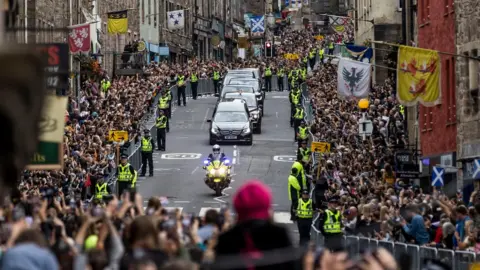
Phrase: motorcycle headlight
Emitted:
{"points": [[221, 171], [212, 171]]}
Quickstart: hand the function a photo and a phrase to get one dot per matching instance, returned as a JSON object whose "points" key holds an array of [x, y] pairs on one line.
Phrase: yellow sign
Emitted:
{"points": [[319, 37], [291, 56], [320, 147], [475, 266], [118, 135]]}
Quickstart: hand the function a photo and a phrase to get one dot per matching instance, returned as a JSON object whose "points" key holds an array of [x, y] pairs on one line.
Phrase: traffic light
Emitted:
{"points": [[268, 49]]}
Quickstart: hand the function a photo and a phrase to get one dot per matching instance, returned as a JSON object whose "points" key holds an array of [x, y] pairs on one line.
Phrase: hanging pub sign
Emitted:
{"points": [[405, 165], [56, 69]]}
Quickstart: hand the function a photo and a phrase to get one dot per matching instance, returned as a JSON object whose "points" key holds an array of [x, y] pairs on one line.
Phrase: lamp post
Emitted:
{"points": [[270, 24], [365, 127]]}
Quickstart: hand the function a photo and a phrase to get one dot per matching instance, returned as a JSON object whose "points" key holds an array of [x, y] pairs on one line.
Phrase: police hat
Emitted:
{"points": [[334, 199], [305, 192], [146, 131], [124, 156]]}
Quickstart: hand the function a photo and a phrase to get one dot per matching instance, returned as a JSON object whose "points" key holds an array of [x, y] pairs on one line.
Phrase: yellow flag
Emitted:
{"points": [[418, 76], [339, 28], [117, 22]]}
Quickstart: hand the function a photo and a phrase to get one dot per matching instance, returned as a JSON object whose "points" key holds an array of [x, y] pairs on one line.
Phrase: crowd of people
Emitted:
{"points": [[46, 223]]}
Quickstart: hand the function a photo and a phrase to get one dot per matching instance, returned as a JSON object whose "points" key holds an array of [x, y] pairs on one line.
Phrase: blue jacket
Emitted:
{"points": [[417, 229]]}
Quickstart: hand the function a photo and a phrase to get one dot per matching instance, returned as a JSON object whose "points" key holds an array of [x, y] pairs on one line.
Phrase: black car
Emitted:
{"points": [[250, 82], [231, 123], [254, 109], [235, 88]]}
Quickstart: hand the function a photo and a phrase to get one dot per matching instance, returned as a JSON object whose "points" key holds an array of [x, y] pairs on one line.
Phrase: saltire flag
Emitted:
{"points": [[176, 19], [418, 76], [353, 78], [258, 25], [359, 53], [117, 22]]}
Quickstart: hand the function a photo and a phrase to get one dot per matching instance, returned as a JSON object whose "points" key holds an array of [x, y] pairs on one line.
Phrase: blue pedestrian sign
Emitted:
{"points": [[258, 24], [437, 176], [476, 169]]}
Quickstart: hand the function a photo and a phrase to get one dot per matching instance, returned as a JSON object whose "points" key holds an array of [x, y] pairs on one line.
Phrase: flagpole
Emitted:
{"points": [[70, 55]]}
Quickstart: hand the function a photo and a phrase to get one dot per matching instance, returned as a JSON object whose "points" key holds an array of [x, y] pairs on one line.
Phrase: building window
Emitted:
{"points": [[149, 12], [143, 11], [155, 13], [473, 81]]}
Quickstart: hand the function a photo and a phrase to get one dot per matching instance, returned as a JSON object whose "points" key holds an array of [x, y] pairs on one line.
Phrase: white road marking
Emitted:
{"points": [[181, 201], [210, 202], [194, 170], [234, 153], [284, 158], [234, 160], [205, 119], [276, 114], [204, 210], [282, 217], [181, 156], [224, 195]]}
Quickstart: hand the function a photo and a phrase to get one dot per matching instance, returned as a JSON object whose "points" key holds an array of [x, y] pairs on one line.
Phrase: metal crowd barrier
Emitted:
{"points": [[458, 260]]}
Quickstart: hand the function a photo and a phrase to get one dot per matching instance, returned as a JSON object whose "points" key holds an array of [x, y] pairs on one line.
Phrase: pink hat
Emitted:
{"points": [[253, 201]]}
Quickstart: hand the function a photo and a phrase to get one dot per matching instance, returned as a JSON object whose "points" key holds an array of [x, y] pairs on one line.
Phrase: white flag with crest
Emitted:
{"points": [[353, 78], [176, 19]]}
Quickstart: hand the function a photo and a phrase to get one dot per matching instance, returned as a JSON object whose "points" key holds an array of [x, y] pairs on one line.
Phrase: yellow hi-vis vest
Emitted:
{"points": [[298, 114], [322, 52], [332, 222], [124, 173], [163, 103], [305, 154], [181, 80], [194, 78], [295, 98], [105, 86], [293, 182], [101, 190], [303, 132], [304, 74], [161, 122], [311, 54], [147, 145], [281, 73], [216, 75], [305, 209], [268, 72]]}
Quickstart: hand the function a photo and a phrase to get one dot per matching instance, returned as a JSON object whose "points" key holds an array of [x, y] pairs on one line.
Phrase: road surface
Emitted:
{"points": [[178, 170]]}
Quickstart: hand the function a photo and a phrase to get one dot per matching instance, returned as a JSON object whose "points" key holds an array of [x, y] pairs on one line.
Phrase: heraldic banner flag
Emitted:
{"points": [[418, 77], [117, 22], [176, 19], [353, 78]]}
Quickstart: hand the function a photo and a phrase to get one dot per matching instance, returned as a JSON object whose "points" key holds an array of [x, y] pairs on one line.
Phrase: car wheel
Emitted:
{"points": [[212, 141]]}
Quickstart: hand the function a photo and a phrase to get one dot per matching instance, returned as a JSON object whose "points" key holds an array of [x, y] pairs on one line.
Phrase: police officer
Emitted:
{"points": [[304, 154], [301, 177], [294, 190], [101, 189], [292, 78], [295, 98], [126, 175], [297, 118], [216, 80], [194, 84], [330, 225], [268, 79], [105, 86], [164, 106], [321, 53], [181, 85], [280, 78], [304, 217], [302, 134], [161, 124], [311, 57], [147, 153]]}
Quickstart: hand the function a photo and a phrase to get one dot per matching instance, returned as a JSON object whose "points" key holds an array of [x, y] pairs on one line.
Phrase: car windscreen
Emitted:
{"points": [[248, 74], [252, 83], [250, 99], [225, 116], [238, 88]]}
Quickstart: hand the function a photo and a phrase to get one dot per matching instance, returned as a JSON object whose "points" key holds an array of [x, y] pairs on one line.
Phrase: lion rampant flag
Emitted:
{"points": [[418, 76]]}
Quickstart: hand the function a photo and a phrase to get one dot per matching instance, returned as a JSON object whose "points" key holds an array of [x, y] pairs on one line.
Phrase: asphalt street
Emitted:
{"points": [[178, 170]]}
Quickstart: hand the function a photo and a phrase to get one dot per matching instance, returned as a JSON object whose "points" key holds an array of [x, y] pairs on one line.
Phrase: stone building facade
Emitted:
{"points": [[467, 14]]}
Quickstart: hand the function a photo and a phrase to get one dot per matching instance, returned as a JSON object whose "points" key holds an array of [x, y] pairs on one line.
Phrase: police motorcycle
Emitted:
{"points": [[217, 174]]}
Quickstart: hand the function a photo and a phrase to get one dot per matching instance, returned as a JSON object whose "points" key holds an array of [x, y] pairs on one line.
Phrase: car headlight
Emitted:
{"points": [[214, 130], [254, 115], [246, 130]]}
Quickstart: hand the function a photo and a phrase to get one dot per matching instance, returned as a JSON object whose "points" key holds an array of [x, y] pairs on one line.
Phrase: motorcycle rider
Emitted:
{"points": [[216, 154]]}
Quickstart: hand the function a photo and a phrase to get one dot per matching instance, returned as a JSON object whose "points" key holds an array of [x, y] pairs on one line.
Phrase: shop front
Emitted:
{"points": [[470, 162], [218, 29], [153, 54]]}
